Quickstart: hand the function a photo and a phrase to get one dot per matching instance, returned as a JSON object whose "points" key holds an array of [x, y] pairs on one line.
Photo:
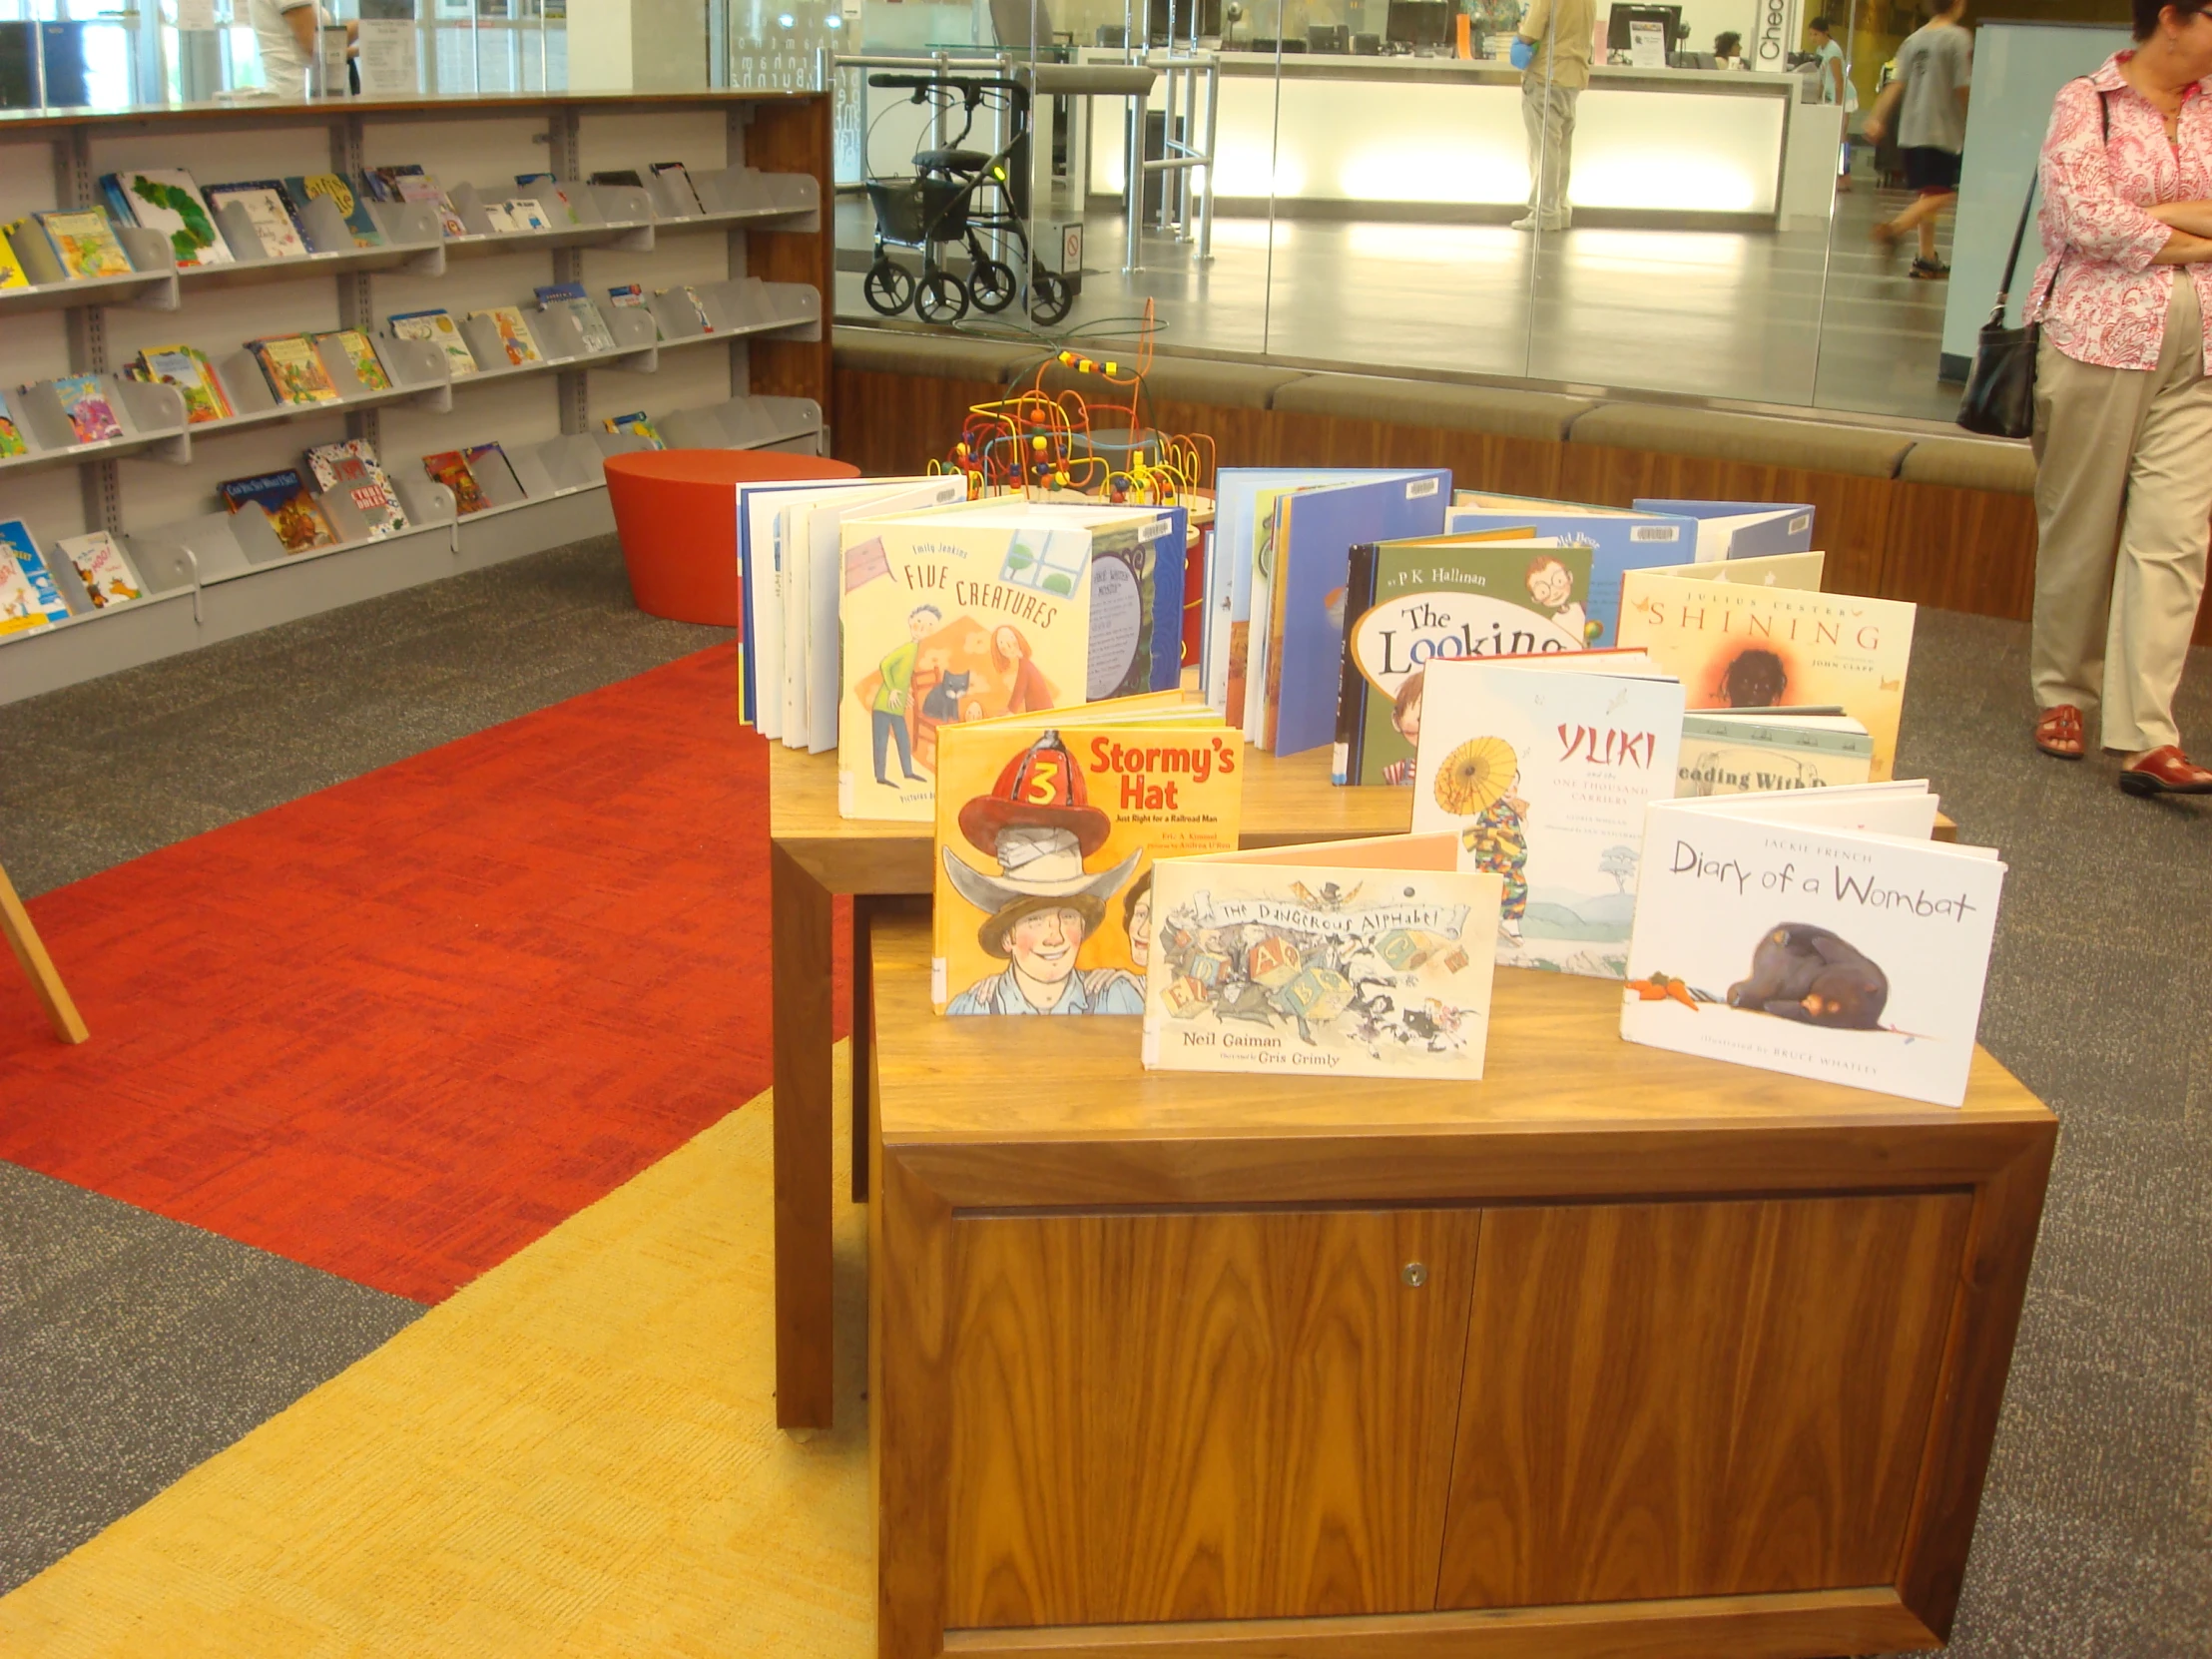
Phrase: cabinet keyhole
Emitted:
{"points": [[1415, 1274]]}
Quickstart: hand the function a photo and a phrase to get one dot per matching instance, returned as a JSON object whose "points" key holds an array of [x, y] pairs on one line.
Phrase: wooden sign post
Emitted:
{"points": [[23, 940]]}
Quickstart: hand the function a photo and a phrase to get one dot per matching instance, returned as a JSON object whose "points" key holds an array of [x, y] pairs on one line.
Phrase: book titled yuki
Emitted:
{"points": [[1363, 958], [1819, 933], [1543, 766], [1046, 836]]}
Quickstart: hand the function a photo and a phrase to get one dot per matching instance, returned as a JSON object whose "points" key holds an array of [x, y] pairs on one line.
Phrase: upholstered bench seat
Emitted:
{"points": [[1506, 411]]}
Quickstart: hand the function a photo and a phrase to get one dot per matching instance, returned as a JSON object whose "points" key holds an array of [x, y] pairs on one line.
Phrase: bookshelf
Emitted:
{"points": [[750, 373]]}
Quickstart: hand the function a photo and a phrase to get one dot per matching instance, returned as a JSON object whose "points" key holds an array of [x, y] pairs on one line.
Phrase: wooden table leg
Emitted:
{"points": [[799, 925], [863, 1040], [23, 940]]}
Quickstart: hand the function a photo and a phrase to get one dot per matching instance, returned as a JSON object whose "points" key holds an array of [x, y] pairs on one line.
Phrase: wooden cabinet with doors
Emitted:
{"points": [[1617, 1352]]}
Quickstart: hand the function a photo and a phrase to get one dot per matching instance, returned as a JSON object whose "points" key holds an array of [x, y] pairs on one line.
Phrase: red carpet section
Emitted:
{"points": [[399, 1029]]}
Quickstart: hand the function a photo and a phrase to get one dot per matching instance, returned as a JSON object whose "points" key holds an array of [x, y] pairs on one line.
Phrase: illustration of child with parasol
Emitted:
{"points": [[1038, 825], [1477, 780]]}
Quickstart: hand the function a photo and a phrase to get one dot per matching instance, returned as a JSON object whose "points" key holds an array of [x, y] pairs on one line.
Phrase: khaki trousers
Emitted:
{"points": [[1547, 110], [2124, 501]]}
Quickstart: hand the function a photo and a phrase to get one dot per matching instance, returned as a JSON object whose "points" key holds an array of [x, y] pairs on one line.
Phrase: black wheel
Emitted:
{"points": [[887, 287], [940, 299], [991, 285], [1050, 297]]}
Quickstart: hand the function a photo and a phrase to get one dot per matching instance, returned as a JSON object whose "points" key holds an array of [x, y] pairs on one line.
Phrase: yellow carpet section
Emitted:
{"points": [[575, 1454]]}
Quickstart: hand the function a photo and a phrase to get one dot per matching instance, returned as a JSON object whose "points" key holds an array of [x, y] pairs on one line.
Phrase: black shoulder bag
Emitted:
{"points": [[2001, 388]]}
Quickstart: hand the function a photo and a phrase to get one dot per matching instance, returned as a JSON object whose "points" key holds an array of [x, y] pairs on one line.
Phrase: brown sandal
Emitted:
{"points": [[2058, 732]]}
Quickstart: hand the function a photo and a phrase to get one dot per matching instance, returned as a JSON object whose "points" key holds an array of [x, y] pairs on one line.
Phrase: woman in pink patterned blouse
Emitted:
{"points": [[2123, 405]]}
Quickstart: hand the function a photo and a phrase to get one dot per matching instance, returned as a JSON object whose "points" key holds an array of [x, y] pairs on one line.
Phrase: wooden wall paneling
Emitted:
{"points": [[793, 137], [1242, 438], [911, 1261], [1203, 1416], [898, 423], [1960, 550], [1852, 526], [1479, 461], [1696, 1398]]}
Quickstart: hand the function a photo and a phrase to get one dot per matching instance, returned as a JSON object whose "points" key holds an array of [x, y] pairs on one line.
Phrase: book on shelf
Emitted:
{"points": [[11, 435], [293, 369], [1048, 826], [551, 193], [12, 274], [682, 192], [361, 223], [360, 352], [513, 329], [498, 218], [1360, 958], [83, 242], [85, 403], [284, 499], [351, 466], [438, 327], [275, 220], [29, 599], [1618, 538], [1543, 766], [571, 299], [168, 201], [626, 176], [450, 468], [1819, 933], [635, 424], [1298, 596], [1741, 529], [494, 474], [992, 598], [382, 182], [414, 185], [688, 304], [187, 369], [1734, 645], [624, 295], [1409, 603], [1759, 751], [103, 567], [526, 215]]}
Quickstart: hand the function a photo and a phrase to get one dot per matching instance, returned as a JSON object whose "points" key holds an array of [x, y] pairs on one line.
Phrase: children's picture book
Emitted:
{"points": [[684, 303], [292, 512], [1819, 933], [358, 352], [187, 369], [439, 326], [275, 220], [526, 215], [948, 619], [1048, 832], [450, 468], [104, 569], [1619, 539], [1544, 767], [1734, 646], [11, 435], [1757, 751], [417, 186], [549, 192], [1741, 529], [382, 182], [167, 200], [1364, 959], [515, 338], [682, 194], [361, 223], [12, 274], [498, 218], [351, 467], [293, 369], [1408, 603], [571, 299], [83, 242], [624, 295], [84, 400], [636, 426], [29, 599], [494, 473]]}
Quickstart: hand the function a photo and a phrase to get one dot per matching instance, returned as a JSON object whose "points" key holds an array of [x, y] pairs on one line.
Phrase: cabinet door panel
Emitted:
{"points": [[1696, 1398], [1203, 1417]]}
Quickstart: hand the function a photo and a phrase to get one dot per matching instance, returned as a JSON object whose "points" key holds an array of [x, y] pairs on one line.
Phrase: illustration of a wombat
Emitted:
{"points": [[1807, 973], [941, 703]]}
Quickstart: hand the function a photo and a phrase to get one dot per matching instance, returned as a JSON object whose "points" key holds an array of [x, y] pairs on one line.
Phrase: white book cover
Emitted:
{"points": [[104, 569], [271, 219], [1769, 935], [1544, 770]]}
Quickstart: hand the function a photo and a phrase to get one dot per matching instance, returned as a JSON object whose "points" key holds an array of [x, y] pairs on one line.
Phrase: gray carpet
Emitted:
{"points": [[2096, 1530], [134, 1347]]}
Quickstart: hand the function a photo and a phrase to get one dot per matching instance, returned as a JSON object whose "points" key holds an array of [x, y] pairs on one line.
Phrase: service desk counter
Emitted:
{"points": [[1616, 1352], [1444, 138]]}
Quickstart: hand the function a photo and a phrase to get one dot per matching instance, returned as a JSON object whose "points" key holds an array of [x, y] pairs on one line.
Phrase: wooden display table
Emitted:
{"points": [[1617, 1352]]}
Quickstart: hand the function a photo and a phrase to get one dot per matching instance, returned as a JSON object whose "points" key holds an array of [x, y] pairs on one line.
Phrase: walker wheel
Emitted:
{"points": [[941, 298], [887, 287], [992, 284], [1050, 297]]}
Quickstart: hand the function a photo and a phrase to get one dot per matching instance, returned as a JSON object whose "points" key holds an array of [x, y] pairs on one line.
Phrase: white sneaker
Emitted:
{"points": [[1526, 222], [1529, 222]]}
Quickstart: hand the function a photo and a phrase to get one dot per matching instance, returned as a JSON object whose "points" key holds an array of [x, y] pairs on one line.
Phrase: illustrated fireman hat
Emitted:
{"points": [[1041, 788], [1039, 827]]}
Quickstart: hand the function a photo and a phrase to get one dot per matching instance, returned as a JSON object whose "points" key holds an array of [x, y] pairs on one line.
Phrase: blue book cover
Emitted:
{"points": [[1618, 538], [1170, 564], [560, 290], [1742, 529], [1315, 532], [22, 552]]}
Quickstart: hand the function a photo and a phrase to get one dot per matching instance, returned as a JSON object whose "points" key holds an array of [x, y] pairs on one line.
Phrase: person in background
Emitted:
{"points": [[1727, 49], [2123, 408], [1828, 66], [1934, 68], [284, 30], [1552, 52]]}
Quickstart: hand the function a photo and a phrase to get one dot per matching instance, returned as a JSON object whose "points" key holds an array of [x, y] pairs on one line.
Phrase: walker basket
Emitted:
{"points": [[911, 212]]}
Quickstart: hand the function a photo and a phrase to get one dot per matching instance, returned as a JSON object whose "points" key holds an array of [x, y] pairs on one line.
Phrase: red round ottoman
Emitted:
{"points": [[676, 512]]}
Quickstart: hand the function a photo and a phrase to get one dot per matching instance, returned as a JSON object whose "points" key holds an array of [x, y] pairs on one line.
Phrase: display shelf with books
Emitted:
{"points": [[726, 197], [411, 243], [83, 417], [415, 369], [699, 312], [150, 285], [575, 216], [548, 340]]}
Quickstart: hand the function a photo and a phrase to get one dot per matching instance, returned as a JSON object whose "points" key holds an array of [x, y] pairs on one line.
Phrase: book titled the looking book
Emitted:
{"points": [[1544, 767], [1368, 959], [1819, 933], [1048, 827]]}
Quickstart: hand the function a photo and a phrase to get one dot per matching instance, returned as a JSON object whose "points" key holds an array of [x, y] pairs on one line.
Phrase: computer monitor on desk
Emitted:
{"points": [[1329, 37], [1419, 23], [1622, 18]]}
